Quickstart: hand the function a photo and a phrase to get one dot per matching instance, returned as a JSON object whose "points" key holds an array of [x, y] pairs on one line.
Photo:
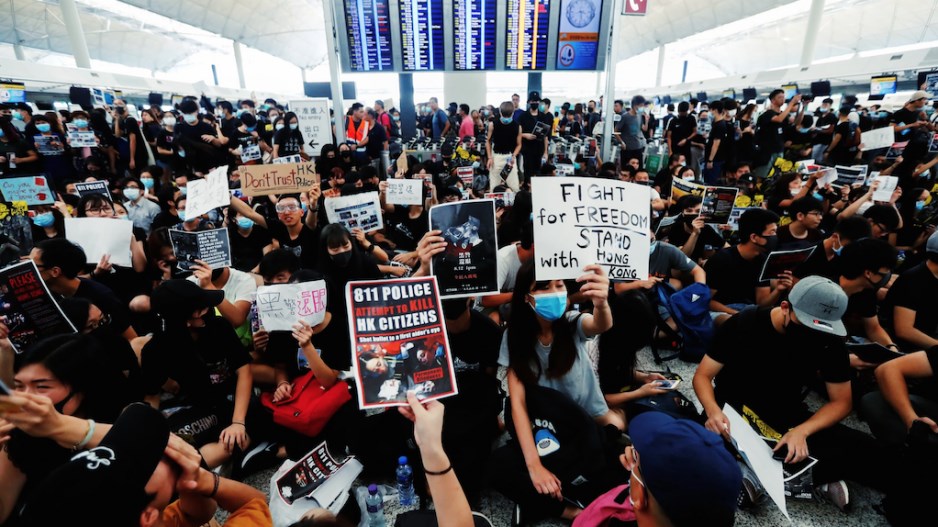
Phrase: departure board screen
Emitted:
{"points": [[528, 28], [474, 34], [422, 46], [578, 40], [369, 35]]}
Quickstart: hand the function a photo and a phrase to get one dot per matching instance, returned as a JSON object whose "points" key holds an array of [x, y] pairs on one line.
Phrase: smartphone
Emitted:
{"points": [[4, 405], [781, 453], [669, 384]]}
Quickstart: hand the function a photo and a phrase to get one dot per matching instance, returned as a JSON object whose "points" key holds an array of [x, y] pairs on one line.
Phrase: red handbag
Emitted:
{"points": [[310, 406]]}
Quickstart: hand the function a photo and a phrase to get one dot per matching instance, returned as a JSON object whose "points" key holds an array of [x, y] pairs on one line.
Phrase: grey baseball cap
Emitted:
{"points": [[931, 246], [819, 304]]}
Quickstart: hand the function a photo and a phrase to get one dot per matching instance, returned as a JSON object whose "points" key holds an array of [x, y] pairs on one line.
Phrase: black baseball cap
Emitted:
{"points": [[534, 96], [104, 485], [180, 298]]}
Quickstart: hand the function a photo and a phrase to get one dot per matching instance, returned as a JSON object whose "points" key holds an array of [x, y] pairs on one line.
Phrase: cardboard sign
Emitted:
{"points": [[34, 190], [878, 138], [286, 178], [93, 187], [399, 341], [280, 306], [405, 191], [212, 247], [468, 266], [314, 122], [358, 211], [100, 236], [209, 193], [580, 221]]}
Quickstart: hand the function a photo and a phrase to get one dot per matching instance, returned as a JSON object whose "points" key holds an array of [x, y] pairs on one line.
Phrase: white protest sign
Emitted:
{"points": [[295, 158], [81, 139], [100, 236], [203, 195], [887, 184], [758, 456], [580, 221], [280, 306], [405, 191], [314, 121], [828, 176], [878, 138], [358, 211]]}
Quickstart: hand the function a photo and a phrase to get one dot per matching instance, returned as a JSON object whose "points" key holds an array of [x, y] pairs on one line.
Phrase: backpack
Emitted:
{"points": [[916, 487], [690, 308]]}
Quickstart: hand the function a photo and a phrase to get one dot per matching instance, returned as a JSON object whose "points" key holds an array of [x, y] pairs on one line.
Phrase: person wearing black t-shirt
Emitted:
{"points": [[910, 117], [762, 358], [534, 137], [912, 302], [692, 235], [865, 267], [244, 144], [681, 130], [289, 140], [503, 144], [770, 132], [844, 145], [824, 260], [719, 149], [198, 140], [895, 409], [290, 229], [733, 273], [826, 120], [803, 231], [376, 141], [17, 155], [249, 242]]}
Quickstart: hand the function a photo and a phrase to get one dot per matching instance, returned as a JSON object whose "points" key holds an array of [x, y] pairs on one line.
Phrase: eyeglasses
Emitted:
{"points": [[101, 322], [286, 208], [815, 213], [98, 210]]}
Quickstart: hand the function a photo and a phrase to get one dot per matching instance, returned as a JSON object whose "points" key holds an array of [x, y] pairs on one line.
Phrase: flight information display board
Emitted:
{"points": [[474, 23], [422, 46], [578, 41], [369, 35], [527, 32]]}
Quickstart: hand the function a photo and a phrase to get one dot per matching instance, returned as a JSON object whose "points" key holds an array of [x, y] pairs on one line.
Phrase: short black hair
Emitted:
{"points": [[866, 255], [804, 205], [884, 214], [620, 102], [754, 221], [717, 106], [683, 107], [775, 92], [670, 107], [188, 106], [226, 105], [853, 228], [688, 200], [61, 253], [278, 261]]}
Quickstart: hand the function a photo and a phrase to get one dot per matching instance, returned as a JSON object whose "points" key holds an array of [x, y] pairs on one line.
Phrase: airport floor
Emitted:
{"points": [[803, 513]]}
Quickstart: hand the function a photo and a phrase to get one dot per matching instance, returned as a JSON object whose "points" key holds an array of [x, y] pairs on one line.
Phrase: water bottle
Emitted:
{"points": [[405, 482], [374, 503]]}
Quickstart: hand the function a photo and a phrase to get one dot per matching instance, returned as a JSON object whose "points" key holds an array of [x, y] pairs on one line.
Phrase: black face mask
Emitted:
{"points": [[771, 243], [533, 105], [342, 259], [60, 406], [882, 283]]}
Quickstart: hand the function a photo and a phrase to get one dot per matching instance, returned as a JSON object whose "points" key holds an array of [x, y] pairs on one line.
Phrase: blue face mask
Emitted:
{"points": [[245, 223], [81, 123], [294, 126], [550, 306], [183, 190], [250, 128], [506, 120], [576, 166], [823, 110], [883, 115], [182, 153], [17, 116], [804, 130], [652, 246], [46, 219], [919, 205], [817, 196], [44, 127], [147, 182], [1, 133]]}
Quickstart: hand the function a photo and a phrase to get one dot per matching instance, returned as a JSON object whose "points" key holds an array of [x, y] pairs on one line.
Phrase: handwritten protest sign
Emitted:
{"points": [[100, 236], [405, 191], [211, 246], [580, 221], [93, 187], [468, 265], [34, 190], [399, 341], [878, 138], [206, 194], [261, 180], [280, 306], [358, 211], [887, 185]]}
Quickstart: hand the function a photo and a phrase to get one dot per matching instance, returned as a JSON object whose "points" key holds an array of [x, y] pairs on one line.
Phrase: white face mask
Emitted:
{"points": [[732, 113], [169, 121]]}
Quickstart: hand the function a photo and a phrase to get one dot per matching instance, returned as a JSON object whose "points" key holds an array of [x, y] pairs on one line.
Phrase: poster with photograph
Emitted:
{"points": [[284, 160], [78, 139], [16, 232], [399, 341], [855, 175], [502, 199], [29, 309], [780, 261], [468, 265], [211, 246], [358, 211], [717, 204], [280, 306], [49, 145], [34, 190]]}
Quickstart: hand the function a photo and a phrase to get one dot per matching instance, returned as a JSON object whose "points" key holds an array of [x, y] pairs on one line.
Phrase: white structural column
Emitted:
{"points": [[810, 34], [332, 57], [18, 51], [660, 66], [611, 58], [239, 64], [76, 34]]}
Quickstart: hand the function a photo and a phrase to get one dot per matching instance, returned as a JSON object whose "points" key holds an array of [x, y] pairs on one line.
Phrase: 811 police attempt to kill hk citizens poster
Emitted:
{"points": [[399, 341]]}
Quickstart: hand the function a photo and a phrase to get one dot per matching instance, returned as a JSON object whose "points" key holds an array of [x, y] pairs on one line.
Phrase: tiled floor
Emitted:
{"points": [[803, 513]]}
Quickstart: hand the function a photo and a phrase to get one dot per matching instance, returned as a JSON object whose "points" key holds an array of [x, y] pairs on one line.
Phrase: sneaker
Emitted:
{"points": [[261, 456], [836, 493], [752, 492]]}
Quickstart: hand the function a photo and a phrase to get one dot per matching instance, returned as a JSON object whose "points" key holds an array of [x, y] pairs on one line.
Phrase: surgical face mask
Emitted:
{"points": [[652, 246], [343, 258], [81, 123], [190, 118], [279, 126], [550, 306], [689, 177], [883, 115], [147, 182], [131, 193], [506, 120], [475, 164], [817, 196], [44, 127], [732, 113], [823, 109], [182, 153], [639, 111], [250, 128], [17, 116], [245, 223], [576, 166], [919, 205], [804, 130], [169, 121], [541, 108], [184, 190], [795, 191], [294, 126], [46, 219]]}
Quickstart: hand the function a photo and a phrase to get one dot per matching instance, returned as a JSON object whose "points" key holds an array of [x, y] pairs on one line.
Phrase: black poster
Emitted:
{"points": [[468, 265], [28, 308]]}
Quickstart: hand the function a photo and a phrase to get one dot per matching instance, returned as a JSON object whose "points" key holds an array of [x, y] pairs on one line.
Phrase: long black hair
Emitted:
{"points": [[523, 331], [359, 266]]}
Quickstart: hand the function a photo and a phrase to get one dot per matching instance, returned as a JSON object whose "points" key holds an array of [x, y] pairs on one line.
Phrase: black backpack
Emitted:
{"points": [[914, 484]]}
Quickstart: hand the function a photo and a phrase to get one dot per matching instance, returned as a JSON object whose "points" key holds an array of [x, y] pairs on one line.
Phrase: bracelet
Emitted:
{"points": [[215, 485], [241, 423], [87, 439], [440, 473], [370, 249]]}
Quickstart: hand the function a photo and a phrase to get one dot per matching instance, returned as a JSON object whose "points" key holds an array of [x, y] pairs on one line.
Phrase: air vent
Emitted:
{"points": [[805, 69], [93, 74], [895, 57]]}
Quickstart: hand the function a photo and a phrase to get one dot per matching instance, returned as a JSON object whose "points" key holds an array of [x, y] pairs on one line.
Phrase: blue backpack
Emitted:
{"points": [[690, 308]]}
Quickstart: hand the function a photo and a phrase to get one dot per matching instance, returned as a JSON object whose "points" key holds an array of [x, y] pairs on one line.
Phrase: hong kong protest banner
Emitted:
{"points": [[399, 341], [468, 265], [261, 180], [581, 221]]}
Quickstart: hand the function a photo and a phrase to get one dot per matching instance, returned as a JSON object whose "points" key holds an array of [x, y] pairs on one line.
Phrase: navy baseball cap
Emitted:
{"points": [[687, 469]]}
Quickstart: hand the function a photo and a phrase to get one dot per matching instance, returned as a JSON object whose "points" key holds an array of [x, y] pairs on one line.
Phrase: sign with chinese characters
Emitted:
{"points": [[280, 306], [314, 121]]}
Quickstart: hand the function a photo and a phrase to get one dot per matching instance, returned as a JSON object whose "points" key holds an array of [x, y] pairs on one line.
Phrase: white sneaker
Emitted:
{"points": [[836, 493]]}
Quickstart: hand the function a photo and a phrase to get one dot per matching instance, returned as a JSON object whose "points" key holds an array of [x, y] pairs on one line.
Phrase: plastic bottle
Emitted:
{"points": [[375, 506], [405, 482]]}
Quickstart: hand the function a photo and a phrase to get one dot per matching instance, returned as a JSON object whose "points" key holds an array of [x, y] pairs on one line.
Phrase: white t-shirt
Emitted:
{"points": [[508, 265], [240, 286]]}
